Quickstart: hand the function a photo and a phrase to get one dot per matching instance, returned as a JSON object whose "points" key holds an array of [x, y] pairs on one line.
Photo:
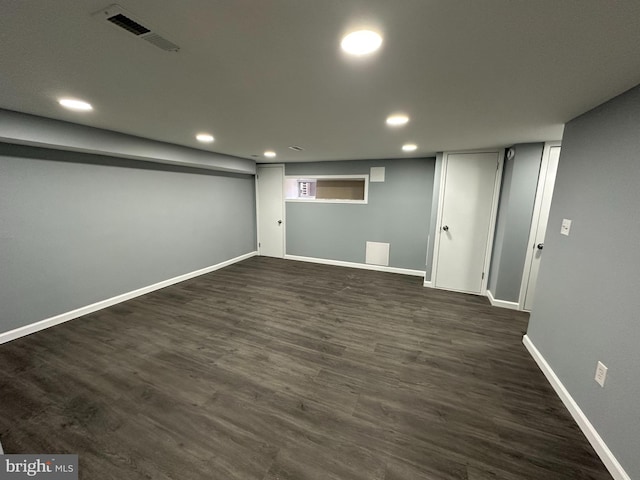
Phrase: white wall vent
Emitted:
{"points": [[377, 253], [120, 18]]}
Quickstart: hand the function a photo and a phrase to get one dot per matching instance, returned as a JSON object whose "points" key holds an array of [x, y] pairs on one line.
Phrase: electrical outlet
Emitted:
{"points": [[601, 373], [566, 227]]}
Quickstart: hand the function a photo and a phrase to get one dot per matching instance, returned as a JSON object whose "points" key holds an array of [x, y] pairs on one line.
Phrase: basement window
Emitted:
{"points": [[327, 189]]}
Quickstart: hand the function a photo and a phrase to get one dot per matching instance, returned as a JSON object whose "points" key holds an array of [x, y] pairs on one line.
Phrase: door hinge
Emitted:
{"points": [[259, 245], [482, 275]]}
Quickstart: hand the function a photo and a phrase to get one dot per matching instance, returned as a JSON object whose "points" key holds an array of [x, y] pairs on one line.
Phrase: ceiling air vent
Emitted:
{"points": [[297, 148], [128, 24], [119, 17]]}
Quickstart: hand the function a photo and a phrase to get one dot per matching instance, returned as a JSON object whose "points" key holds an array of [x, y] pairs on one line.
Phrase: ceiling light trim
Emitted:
{"points": [[397, 120], [361, 42], [75, 104], [205, 137], [409, 147]]}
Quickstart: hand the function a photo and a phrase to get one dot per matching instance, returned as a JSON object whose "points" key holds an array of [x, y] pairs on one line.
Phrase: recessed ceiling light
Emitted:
{"points": [[397, 120], [204, 138], [77, 105], [269, 154], [409, 147], [361, 42]]}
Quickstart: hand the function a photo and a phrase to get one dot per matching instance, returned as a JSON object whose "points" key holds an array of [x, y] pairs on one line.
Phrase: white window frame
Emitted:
{"points": [[364, 177]]}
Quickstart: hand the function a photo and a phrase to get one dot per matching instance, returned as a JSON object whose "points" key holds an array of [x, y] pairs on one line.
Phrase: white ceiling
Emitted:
{"points": [[266, 74]]}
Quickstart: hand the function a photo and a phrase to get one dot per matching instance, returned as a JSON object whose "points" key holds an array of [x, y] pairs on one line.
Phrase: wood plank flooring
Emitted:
{"points": [[280, 370]]}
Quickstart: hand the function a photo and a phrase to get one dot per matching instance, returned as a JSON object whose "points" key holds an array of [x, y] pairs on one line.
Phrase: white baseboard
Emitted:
{"points": [[65, 317], [364, 266], [428, 283], [607, 457], [502, 303]]}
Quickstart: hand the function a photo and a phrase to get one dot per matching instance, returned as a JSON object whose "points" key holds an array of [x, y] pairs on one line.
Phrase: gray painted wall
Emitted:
{"points": [[76, 228], [587, 298], [517, 197], [398, 212]]}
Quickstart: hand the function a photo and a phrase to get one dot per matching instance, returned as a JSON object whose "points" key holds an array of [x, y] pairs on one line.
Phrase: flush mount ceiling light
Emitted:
{"points": [[397, 120], [269, 154], [76, 105], [204, 138], [362, 42], [409, 147]]}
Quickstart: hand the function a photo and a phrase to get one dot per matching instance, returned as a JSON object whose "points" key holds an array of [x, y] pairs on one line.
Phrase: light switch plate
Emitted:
{"points": [[601, 374], [566, 227]]}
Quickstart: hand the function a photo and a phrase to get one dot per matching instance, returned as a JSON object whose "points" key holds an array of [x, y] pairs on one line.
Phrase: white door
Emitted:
{"points": [[270, 210], [466, 217], [548, 170]]}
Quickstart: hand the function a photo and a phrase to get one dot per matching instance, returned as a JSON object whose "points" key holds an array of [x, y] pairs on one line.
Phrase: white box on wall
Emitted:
{"points": [[376, 174], [377, 253]]}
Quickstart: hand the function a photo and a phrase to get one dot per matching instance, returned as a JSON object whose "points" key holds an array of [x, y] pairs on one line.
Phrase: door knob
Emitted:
{"points": [[540, 246], [445, 228], [279, 222]]}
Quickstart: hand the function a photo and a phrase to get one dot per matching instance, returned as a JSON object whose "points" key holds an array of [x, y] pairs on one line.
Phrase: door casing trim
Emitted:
{"points": [[283, 208], [492, 218], [533, 229]]}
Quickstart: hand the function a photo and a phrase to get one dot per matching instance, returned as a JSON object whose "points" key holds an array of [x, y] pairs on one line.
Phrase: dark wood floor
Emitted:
{"points": [[273, 369]]}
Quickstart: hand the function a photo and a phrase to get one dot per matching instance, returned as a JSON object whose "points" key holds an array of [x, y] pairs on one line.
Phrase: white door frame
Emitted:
{"points": [[492, 220], [284, 210], [533, 229], [255, 182]]}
